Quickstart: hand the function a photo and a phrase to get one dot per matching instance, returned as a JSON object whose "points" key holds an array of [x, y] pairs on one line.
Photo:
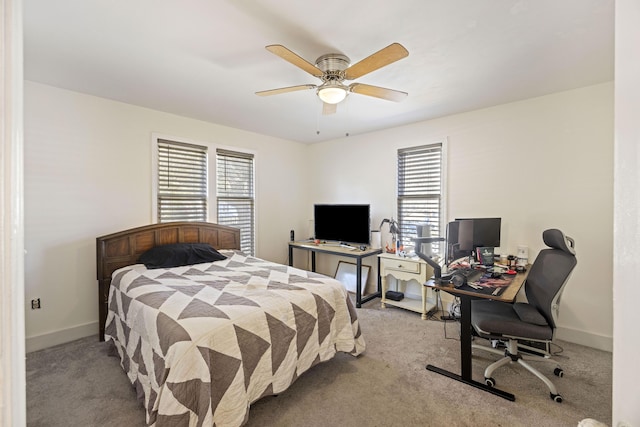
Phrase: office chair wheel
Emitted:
{"points": [[556, 397], [490, 382], [558, 372]]}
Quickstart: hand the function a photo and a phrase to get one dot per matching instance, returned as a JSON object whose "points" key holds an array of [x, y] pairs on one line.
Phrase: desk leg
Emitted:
{"points": [[358, 282], [383, 292], [313, 262], [290, 256], [369, 297], [465, 338], [379, 279], [465, 355]]}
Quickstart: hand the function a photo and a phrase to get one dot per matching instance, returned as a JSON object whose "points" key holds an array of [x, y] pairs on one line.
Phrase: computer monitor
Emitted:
{"points": [[466, 234], [453, 250]]}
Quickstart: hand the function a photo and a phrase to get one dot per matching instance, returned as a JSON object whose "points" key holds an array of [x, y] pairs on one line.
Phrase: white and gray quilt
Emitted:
{"points": [[200, 343]]}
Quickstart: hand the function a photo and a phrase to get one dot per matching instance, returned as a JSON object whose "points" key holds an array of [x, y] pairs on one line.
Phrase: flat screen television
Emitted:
{"points": [[348, 223]]}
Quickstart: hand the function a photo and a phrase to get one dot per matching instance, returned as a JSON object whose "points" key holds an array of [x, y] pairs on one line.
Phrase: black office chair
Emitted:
{"points": [[534, 322]]}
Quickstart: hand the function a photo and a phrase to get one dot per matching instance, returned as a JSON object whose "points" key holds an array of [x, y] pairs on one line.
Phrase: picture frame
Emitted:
{"points": [[346, 274]]}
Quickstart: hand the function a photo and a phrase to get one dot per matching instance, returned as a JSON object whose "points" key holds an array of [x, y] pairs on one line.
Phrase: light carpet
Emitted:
{"points": [[79, 384]]}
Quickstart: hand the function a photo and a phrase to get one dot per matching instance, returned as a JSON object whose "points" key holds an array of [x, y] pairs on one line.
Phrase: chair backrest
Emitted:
{"points": [[550, 272]]}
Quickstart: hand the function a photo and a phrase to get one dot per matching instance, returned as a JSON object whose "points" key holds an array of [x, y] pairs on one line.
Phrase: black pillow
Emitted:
{"points": [[179, 254]]}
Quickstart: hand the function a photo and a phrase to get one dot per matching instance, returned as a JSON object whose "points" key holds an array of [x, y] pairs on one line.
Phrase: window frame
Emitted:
{"points": [[405, 235], [212, 211], [245, 239], [201, 198]]}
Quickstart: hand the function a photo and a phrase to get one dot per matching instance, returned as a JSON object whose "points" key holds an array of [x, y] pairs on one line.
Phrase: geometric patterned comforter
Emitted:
{"points": [[200, 343]]}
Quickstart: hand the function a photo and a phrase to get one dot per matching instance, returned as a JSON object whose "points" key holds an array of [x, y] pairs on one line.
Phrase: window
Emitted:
{"points": [[182, 182], [235, 195], [420, 191]]}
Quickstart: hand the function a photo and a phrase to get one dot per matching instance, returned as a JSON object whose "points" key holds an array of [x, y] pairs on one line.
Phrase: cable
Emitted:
{"points": [[454, 314], [433, 313], [557, 352]]}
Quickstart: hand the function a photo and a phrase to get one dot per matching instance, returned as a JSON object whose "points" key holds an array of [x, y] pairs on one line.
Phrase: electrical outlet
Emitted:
{"points": [[35, 304]]}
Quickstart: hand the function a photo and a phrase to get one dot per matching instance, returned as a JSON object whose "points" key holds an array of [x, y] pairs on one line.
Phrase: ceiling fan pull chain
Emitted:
{"points": [[318, 114]]}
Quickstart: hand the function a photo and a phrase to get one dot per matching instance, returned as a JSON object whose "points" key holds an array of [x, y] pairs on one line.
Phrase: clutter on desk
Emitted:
{"points": [[522, 257], [485, 255]]}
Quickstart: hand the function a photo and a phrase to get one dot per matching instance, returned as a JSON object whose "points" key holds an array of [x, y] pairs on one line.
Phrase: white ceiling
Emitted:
{"points": [[205, 59]]}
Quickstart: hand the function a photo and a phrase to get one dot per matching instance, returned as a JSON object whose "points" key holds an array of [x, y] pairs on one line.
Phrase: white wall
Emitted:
{"points": [[88, 173], [545, 162], [541, 163], [626, 291]]}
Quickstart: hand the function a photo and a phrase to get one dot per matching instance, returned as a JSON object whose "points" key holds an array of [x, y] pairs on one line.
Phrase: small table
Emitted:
{"points": [[350, 252], [508, 295], [405, 269]]}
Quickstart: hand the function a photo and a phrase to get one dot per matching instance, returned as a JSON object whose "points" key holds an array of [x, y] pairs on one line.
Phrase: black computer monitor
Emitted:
{"points": [[454, 250], [464, 235]]}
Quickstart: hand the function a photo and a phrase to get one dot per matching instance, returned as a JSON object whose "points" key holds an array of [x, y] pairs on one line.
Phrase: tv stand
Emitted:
{"points": [[345, 251]]}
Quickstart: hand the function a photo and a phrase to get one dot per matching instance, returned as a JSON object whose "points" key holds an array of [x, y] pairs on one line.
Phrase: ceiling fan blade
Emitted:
{"points": [[378, 92], [284, 90], [329, 108], [381, 58], [291, 57]]}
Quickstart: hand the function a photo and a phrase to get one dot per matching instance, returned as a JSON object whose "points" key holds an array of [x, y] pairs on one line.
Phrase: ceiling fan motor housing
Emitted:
{"points": [[333, 66]]}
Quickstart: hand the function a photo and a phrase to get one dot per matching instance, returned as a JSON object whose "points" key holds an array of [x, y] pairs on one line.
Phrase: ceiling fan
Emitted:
{"points": [[334, 68]]}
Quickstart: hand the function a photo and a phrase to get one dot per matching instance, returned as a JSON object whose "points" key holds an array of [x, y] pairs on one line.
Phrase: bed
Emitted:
{"points": [[201, 342]]}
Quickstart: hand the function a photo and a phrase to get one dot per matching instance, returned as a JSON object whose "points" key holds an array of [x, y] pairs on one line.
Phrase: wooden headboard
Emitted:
{"points": [[125, 247]]}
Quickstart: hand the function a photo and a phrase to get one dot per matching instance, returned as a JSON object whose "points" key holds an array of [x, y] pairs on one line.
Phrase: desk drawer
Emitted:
{"points": [[401, 265]]}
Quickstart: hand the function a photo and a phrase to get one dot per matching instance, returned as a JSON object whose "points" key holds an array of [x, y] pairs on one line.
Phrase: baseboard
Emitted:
{"points": [[585, 338], [50, 339]]}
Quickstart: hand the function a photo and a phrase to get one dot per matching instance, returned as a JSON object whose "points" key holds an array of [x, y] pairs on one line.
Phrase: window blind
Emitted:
{"points": [[420, 191], [182, 182], [235, 195]]}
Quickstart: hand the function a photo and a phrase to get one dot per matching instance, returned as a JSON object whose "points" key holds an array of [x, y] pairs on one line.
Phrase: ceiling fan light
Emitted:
{"points": [[332, 94]]}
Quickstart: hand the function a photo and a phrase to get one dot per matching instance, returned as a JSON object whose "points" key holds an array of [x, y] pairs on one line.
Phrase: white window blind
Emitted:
{"points": [[420, 191], [182, 182], [235, 195]]}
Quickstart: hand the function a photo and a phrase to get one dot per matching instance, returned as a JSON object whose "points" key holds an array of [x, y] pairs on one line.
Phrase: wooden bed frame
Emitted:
{"points": [[125, 247]]}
